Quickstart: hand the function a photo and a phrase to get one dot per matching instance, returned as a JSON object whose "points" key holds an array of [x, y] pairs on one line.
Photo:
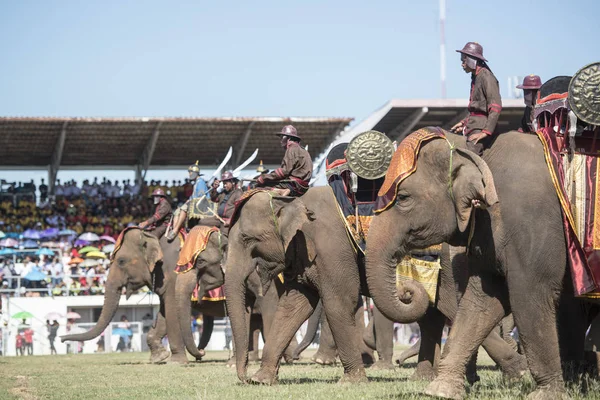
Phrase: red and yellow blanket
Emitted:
{"points": [[576, 179]]}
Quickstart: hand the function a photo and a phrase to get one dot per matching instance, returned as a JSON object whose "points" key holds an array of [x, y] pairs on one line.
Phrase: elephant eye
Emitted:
{"points": [[121, 262], [402, 196]]}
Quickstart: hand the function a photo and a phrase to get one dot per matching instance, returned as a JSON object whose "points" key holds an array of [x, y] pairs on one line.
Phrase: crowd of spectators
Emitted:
{"points": [[101, 207]]}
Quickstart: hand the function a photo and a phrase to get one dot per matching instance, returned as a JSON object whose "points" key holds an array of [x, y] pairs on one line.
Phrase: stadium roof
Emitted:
{"points": [[145, 142]]}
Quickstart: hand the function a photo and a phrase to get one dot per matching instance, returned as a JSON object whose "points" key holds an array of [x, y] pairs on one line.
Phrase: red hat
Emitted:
{"points": [[159, 192], [290, 131], [227, 176], [531, 82], [473, 49]]}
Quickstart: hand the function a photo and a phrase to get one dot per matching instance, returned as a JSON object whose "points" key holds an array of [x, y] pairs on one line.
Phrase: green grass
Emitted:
{"points": [[130, 376]]}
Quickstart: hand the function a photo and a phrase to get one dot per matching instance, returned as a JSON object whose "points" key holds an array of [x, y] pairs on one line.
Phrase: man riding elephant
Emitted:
{"points": [[293, 177], [226, 202], [531, 86], [485, 102], [159, 221], [200, 190]]}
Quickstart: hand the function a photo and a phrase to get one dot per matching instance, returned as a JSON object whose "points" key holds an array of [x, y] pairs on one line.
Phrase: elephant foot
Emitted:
{"points": [[446, 389], [516, 369], [382, 365], [548, 394], [288, 359], [423, 372], [159, 356], [358, 376], [230, 363], [323, 359], [179, 358], [263, 377]]}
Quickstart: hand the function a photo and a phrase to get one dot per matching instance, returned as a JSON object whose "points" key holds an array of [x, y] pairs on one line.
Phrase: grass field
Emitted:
{"points": [[130, 376]]}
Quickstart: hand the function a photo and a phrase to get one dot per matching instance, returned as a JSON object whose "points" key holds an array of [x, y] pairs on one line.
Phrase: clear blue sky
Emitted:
{"points": [[270, 58]]}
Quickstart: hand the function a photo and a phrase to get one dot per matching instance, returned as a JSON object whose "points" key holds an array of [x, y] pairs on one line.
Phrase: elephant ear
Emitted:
{"points": [[152, 250], [291, 214], [471, 180]]}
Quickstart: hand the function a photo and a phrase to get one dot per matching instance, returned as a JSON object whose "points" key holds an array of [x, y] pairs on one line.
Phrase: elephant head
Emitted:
{"points": [[258, 241], [132, 267], [208, 273], [432, 205]]}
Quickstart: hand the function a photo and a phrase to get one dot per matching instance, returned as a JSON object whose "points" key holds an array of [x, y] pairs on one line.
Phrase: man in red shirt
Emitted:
{"points": [[28, 334]]}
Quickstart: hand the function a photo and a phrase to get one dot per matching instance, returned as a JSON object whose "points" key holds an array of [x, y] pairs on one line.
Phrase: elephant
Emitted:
{"points": [[503, 207], [143, 260], [208, 274], [306, 240]]}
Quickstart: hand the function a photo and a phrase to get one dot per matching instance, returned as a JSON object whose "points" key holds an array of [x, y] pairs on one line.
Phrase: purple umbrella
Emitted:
{"points": [[9, 242], [50, 232], [108, 238], [80, 242], [32, 234]]}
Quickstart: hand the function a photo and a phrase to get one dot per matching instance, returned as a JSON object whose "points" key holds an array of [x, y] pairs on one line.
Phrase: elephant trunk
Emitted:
{"points": [[112, 295], [311, 331], [184, 288], [239, 314], [208, 325], [382, 254]]}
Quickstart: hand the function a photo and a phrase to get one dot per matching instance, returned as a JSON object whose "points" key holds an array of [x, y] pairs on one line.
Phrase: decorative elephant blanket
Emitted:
{"points": [[576, 178], [404, 163]]}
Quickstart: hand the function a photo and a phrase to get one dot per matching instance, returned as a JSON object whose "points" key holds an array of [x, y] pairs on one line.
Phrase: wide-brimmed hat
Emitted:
{"points": [[531, 82], [159, 192], [289, 131], [474, 50], [227, 176]]}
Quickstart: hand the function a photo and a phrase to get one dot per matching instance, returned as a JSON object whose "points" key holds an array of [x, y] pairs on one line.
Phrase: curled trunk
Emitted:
{"points": [[207, 330], [112, 294], [184, 289], [311, 331], [404, 303]]}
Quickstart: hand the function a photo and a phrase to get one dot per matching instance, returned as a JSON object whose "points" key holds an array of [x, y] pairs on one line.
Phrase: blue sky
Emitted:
{"points": [[270, 58]]}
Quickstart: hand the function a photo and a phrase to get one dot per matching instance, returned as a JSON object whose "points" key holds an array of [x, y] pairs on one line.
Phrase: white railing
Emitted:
{"points": [[15, 285]]}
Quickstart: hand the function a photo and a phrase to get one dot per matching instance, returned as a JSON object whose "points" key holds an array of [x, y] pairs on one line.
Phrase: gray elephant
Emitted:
{"points": [[307, 241], [505, 209], [139, 260]]}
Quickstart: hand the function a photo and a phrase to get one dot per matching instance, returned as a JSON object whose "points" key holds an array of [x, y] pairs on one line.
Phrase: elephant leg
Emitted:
{"points": [[255, 325], [294, 307], [432, 326], [155, 335], [513, 364], [384, 340], [311, 331], [507, 326], [366, 352], [327, 352], [288, 354], [539, 336], [409, 353], [340, 309], [478, 313]]}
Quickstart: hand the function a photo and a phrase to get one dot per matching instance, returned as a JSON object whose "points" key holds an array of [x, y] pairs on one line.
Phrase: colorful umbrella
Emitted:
{"points": [[53, 316], [67, 232], [44, 252], [2, 234], [22, 315], [73, 315], [109, 248], [9, 242], [32, 234], [108, 238], [87, 249], [80, 242], [89, 237], [13, 235], [96, 254], [75, 260], [7, 252], [50, 232], [88, 263], [29, 244]]}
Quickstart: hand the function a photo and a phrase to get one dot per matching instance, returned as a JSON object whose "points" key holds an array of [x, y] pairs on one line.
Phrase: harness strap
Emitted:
{"points": [[452, 148]]}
